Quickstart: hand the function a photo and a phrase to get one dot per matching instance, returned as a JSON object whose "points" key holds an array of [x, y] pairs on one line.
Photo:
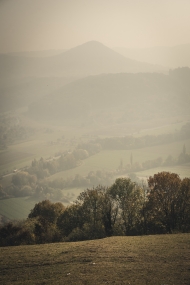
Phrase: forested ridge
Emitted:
{"points": [[117, 98], [124, 208]]}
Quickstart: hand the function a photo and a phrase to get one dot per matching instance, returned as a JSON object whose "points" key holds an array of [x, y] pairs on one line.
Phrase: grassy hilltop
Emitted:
{"points": [[159, 259]]}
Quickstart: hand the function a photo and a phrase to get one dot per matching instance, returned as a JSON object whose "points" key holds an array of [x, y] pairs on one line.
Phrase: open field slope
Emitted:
{"points": [[156, 260]]}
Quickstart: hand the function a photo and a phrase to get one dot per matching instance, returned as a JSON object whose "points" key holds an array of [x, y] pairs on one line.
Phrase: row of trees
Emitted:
{"points": [[124, 208], [43, 168], [130, 142], [25, 184]]}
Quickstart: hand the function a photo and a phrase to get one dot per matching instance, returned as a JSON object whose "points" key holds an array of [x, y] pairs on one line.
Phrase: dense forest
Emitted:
{"points": [[124, 208]]}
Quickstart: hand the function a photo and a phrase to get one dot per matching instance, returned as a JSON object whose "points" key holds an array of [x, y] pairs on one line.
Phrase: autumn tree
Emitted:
{"points": [[164, 199], [71, 219], [129, 197], [101, 208], [46, 214], [15, 234], [91, 201], [23, 178], [92, 216], [184, 206]]}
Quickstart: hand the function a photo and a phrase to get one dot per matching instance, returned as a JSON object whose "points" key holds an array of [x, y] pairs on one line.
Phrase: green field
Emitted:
{"points": [[182, 170], [43, 144], [19, 208], [110, 159], [21, 155], [16, 208], [140, 260]]}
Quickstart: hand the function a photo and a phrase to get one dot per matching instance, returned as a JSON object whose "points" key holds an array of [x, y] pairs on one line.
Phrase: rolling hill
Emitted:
{"points": [[19, 92], [25, 77], [87, 59], [94, 58], [116, 98], [139, 260]]}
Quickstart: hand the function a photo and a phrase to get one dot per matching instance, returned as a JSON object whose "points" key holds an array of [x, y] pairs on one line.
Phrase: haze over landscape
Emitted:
{"points": [[90, 68], [95, 141], [94, 93]]}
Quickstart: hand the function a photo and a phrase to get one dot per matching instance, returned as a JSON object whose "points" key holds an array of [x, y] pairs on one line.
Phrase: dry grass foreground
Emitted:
{"points": [[159, 259]]}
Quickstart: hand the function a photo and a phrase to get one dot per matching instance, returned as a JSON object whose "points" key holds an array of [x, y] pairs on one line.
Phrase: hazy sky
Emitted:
{"points": [[57, 24]]}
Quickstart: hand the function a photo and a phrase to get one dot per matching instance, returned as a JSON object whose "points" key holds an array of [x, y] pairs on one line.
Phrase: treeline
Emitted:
{"points": [[92, 178], [24, 184], [131, 142], [44, 168], [124, 208], [66, 160]]}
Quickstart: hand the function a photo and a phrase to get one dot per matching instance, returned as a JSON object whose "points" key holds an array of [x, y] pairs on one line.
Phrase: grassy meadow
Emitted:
{"points": [[140, 260]]}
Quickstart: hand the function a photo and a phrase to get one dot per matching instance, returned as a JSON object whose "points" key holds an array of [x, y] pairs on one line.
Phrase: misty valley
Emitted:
{"points": [[84, 117], [94, 142]]}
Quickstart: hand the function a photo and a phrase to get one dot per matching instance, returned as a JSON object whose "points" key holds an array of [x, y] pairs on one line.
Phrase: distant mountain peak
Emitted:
{"points": [[93, 43]]}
